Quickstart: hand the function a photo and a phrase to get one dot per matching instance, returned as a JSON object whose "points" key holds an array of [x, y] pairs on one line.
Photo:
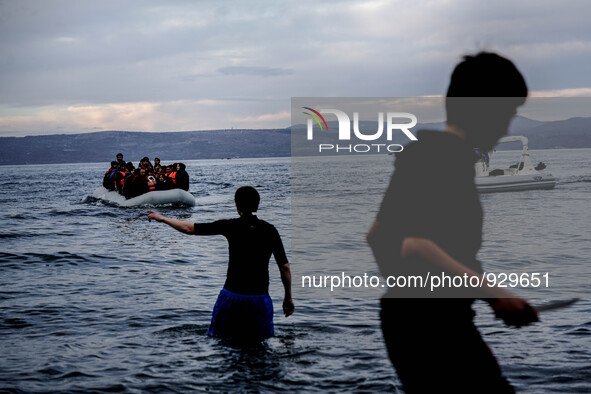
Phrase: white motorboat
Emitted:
{"points": [[520, 176]]}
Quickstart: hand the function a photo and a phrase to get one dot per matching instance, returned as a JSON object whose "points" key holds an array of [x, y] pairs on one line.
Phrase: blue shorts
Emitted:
{"points": [[243, 317]]}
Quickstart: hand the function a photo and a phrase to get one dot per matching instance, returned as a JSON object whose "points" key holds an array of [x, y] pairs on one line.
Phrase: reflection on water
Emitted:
{"points": [[93, 297]]}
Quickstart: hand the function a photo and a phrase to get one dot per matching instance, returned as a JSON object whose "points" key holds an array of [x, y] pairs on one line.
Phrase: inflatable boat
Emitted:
{"points": [[173, 196], [517, 177]]}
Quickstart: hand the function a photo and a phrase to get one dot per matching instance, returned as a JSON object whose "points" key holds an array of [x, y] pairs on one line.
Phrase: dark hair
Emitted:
{"points": [[483, 94], [114, 163], [119, 154], [247, 199], [487, 75], [182, 166]]}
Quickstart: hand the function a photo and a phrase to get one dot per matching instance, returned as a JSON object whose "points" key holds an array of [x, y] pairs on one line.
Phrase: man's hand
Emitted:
{"points": [[288, 307], [514, 311], [155, 215], [180, 225]]}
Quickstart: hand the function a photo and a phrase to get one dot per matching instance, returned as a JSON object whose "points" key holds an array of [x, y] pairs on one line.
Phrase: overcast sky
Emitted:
{"points": [[80, 66]]}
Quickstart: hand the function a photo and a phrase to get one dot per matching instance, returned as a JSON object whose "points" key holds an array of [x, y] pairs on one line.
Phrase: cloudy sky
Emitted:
{"points": [[81, 66]]}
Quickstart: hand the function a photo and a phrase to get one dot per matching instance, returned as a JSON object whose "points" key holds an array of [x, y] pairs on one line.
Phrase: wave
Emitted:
{"points": [[97, 202], [59, 257], [35, 235], [575, 179]]}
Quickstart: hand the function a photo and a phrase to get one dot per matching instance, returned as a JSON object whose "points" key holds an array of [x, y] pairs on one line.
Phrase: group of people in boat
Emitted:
{"points": [[130, 181]]}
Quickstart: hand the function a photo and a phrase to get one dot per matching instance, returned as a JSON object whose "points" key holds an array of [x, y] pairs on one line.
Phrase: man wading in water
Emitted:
{"points": [[244, 310], [430, 221]]}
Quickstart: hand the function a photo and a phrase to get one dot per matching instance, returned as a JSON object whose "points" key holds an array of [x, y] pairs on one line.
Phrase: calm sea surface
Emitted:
{"points": [[94, 297]]}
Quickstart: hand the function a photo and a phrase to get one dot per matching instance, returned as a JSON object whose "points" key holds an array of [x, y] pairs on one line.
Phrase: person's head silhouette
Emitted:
{"points": [[483, 95]]}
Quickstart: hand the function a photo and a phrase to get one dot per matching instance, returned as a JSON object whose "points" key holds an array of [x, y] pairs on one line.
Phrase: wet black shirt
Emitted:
{"points": [[251, 243], [432, 195]]}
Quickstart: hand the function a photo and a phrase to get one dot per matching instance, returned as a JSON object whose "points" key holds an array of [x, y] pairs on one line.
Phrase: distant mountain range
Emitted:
{"points": [[222, 144], [569, 133], [168, 146]]}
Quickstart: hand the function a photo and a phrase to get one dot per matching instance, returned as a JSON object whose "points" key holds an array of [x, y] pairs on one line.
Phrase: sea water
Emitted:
{"points": [[95, 297]]}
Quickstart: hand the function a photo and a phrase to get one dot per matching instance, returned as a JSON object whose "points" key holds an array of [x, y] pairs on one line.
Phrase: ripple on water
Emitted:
{"points": [[93, 298]]}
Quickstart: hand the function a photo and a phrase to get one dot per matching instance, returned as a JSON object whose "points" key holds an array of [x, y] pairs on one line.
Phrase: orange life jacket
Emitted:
{"points": [[172, 176], [151, 183], [121, 181]]}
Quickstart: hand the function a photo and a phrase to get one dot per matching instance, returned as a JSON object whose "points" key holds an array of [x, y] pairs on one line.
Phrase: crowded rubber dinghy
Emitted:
{"points": [[130, 182]]}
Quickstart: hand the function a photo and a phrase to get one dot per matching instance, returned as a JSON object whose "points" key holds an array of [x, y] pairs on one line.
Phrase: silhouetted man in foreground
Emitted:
{"points": [[431, 221], [243, 310]]}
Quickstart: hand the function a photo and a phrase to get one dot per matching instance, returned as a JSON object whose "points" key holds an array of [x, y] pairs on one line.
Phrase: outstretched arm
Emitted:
{"points": [[513, 310], [180, 225], [288, 306]]}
